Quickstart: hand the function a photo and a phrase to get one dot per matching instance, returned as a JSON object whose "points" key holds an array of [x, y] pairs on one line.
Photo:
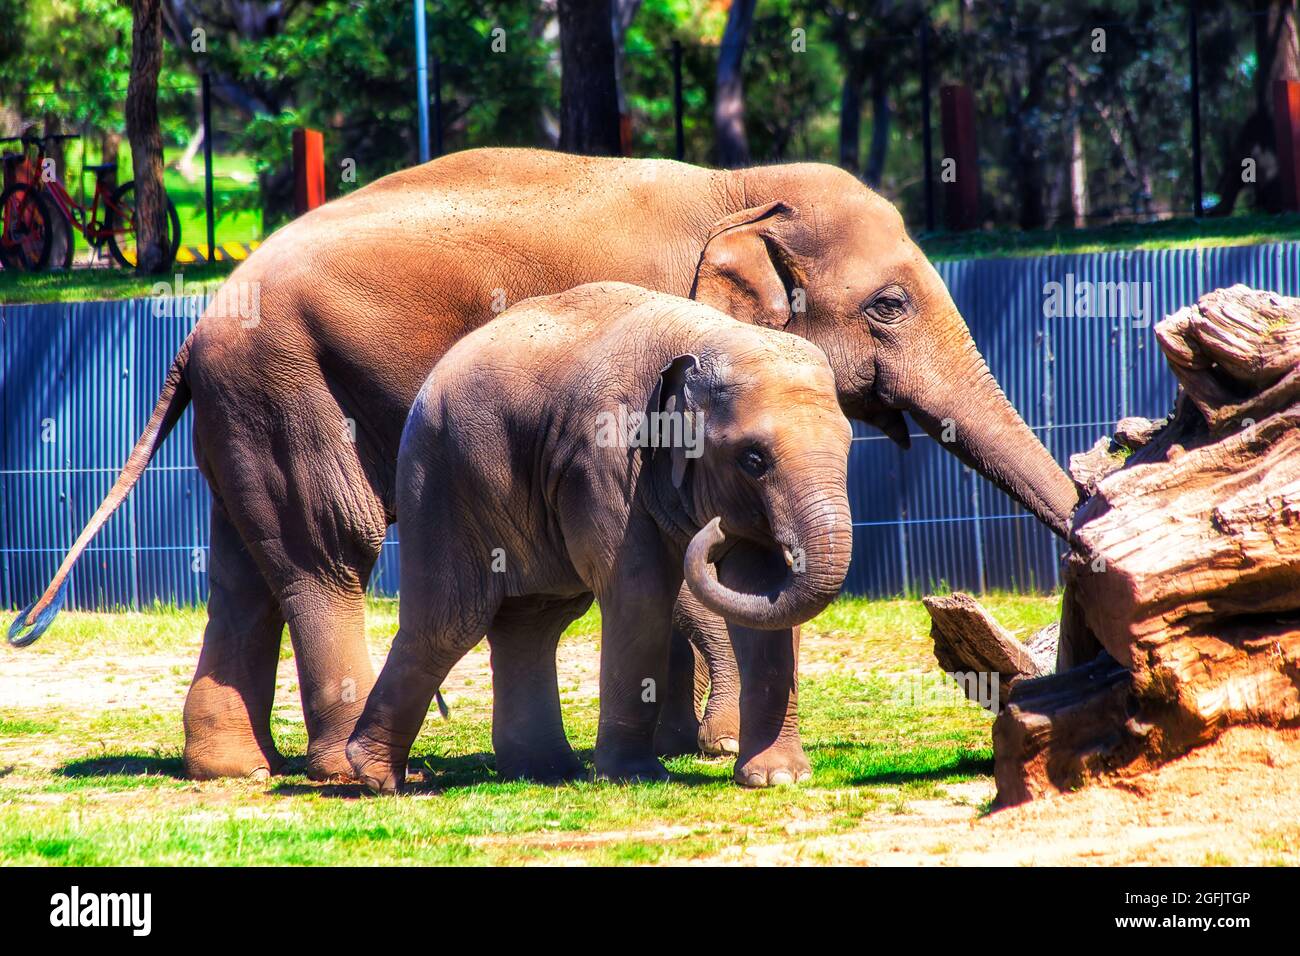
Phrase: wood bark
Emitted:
{"points": [[152, 252], [589, 119], [967, 639], [1183, 577]]}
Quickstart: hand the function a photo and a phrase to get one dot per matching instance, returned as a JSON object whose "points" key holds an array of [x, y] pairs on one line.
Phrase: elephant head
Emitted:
{"points": [[767, 482], [817, 253]]}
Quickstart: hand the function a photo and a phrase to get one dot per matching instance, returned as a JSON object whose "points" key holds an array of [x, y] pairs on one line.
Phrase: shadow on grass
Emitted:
{"points": [[866, 765], [432, 773], [124, 765]]}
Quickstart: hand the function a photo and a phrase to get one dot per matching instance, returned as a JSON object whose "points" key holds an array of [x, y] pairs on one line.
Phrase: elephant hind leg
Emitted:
{"points": [[678, 733], [335, 674], [227, 713], [527, 726]]}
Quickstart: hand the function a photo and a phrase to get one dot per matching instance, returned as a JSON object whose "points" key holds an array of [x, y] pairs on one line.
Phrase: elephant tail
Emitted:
{"points": [[442, 705], [171, 402]]}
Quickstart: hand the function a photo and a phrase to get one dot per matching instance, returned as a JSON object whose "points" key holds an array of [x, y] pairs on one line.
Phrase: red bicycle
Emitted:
{"points": [[38, 213]]}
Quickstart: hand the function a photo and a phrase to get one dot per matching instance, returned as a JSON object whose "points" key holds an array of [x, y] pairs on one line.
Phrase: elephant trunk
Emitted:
{"points": [[970, 415], [817, 550]]}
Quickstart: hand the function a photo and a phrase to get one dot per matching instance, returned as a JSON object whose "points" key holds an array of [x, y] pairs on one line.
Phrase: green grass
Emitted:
{"points": [[86, 786], [1252, 229], [233, 178], [232, 225], [86, 285]]}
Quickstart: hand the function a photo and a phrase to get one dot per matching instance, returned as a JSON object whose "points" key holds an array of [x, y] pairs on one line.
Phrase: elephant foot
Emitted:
{"points": [[213, 761], [373, 764], [329, 763], [631, 770], [719, 735], [779, 765], [679, 739], [556, 767]]}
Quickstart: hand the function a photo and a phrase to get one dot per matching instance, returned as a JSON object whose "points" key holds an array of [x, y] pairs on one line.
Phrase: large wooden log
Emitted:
{"points": [[968, 640], [1184, 565]]}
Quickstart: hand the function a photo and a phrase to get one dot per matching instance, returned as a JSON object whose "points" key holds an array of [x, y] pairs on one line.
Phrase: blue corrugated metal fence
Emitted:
{"points": [[80, 379]]}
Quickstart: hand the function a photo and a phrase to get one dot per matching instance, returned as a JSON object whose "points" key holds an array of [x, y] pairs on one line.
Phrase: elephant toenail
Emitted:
{"points": [[780, 778], [728, 745], [805, 775], [260, 775]]}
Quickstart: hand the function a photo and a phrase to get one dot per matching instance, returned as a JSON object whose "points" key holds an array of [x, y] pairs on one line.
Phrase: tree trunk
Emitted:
{"points": [[146, 138], [1277, 56], [622, 13], [875, 169], [729, 106], [1185, 564], [589, 121], [851, 108], [1078, 163]]}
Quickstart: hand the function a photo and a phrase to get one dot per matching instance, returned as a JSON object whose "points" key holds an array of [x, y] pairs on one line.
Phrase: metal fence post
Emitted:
{"points": [[1198, 200], [437, 106], [1048, 396], [977, 523], [207, 165], [422, 80]]}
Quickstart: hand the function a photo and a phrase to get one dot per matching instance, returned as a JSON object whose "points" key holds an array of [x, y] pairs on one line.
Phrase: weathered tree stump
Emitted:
{"points": [[1184, 567]]}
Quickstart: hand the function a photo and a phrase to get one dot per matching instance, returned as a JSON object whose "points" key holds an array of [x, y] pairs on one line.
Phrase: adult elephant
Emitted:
{"points": [[299, 407]]}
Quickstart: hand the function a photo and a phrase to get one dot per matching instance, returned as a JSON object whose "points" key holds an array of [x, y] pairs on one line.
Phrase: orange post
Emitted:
{"points": [[1286, 124], [308, 170], [959, 173]]}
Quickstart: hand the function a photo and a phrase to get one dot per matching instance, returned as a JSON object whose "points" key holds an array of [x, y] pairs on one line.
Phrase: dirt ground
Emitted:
{"points": [[1234, 802]]}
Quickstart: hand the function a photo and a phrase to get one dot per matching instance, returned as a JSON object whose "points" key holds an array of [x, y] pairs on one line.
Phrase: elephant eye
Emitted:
{"points": [[753, 463], [888, 305]]}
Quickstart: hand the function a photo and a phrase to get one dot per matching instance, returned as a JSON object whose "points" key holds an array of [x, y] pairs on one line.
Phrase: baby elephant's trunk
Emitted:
{"points": [[816, 549]]}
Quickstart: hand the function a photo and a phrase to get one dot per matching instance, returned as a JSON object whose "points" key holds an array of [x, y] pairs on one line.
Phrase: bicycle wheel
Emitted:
{"points": [[121, 225], [25, 234]]}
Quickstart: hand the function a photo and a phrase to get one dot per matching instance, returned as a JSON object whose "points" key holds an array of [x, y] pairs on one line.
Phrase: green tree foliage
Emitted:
{"points": [[347, 68], [69, 61]]}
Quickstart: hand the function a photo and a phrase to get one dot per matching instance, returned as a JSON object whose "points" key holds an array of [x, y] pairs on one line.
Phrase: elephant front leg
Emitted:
{"points": [[771, 752], [381, 744], [636, 615]]}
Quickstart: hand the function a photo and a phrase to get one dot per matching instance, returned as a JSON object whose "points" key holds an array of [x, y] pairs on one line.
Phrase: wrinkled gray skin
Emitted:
{"points": [[298, 415], [517, 505]]}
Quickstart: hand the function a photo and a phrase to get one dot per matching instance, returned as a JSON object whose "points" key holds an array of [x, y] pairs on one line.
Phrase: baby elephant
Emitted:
{"points": [[594, 443]]}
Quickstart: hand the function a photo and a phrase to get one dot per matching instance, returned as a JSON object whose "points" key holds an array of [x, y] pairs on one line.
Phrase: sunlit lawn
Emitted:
{"points": [[101, 786]]}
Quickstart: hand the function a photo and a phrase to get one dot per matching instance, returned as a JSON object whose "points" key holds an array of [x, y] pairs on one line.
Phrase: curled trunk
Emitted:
{"points": [[809, 577]]}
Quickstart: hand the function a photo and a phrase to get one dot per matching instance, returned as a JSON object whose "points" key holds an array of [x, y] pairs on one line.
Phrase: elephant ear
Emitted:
{"points": [[742, 270], [672, 395]]}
